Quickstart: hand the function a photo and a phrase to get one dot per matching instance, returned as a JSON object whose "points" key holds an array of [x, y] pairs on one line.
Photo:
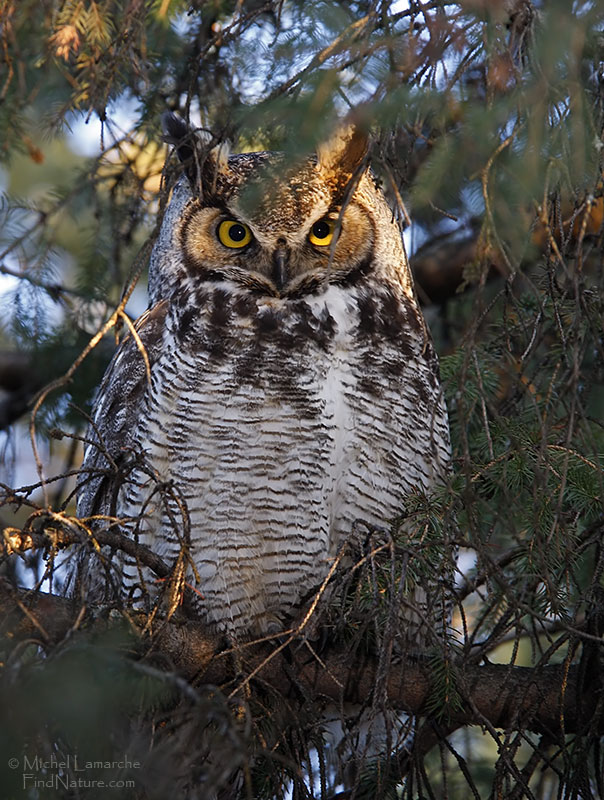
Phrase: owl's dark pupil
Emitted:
{"points": [[321, 229], [237, 233]]}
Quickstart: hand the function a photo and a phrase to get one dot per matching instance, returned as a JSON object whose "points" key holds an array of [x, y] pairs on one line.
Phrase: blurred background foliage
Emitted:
{"points": [[487, 123]]}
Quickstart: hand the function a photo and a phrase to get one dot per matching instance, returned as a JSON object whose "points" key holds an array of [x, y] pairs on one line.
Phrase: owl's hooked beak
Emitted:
{"points": [[280, 272]]}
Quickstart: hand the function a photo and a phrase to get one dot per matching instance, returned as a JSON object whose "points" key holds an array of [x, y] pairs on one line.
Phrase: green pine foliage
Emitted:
{"points": [[487, 122]]}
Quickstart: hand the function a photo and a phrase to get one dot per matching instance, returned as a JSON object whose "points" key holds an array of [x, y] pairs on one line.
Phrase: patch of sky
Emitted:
{"points": [[264, 58], [416, 235], [21, 298], [472, 198], [31, 306], [87, 134], [585, 7], [181, 24]]}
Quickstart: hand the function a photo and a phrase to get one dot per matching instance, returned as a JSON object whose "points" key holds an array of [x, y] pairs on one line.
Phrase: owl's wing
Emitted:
{"points": [[118, 408]]}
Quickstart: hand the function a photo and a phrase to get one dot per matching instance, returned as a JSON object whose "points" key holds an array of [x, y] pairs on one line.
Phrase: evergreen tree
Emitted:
{"points": [[487, 126]]}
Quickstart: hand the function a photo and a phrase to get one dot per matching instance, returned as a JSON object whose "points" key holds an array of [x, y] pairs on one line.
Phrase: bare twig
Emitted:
{"points": [[57, 530]]}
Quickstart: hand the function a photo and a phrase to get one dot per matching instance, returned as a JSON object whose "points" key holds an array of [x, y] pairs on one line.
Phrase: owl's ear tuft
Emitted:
{"points": [[177, 132], [202, 164], [343, 153]]}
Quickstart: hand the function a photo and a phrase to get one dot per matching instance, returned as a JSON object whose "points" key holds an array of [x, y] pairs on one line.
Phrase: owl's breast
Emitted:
{"points": [[281, 425]]}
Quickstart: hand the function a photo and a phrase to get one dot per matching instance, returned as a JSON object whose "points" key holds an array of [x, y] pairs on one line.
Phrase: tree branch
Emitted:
{"points": [[542, 699], [74, 531]]}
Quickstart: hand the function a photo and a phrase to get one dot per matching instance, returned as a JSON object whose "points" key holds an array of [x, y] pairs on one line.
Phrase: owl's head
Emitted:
{"points": [[275, 228]]}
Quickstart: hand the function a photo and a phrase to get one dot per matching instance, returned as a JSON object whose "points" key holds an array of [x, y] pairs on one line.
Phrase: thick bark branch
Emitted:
{"points": [[496, 695]]}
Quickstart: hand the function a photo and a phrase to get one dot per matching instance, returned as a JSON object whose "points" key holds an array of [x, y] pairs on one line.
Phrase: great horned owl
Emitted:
{"points": [[289, 389]]}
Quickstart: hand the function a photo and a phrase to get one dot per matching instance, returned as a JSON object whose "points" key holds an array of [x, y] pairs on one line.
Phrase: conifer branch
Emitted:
{"points": [[543, 700]]}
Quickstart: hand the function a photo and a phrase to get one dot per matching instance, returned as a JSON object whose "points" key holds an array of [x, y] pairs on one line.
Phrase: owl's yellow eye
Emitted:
{"points": [[234, 234], [321, 232]]}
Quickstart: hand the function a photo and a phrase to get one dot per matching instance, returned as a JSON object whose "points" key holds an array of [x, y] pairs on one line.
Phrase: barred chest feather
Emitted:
{"points": [[281, 421]]}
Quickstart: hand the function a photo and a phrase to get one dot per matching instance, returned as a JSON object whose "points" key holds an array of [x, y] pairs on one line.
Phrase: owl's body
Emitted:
{"points": [[293, 389]]}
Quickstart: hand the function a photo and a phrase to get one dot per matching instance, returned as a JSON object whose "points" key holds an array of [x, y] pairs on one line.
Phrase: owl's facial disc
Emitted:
{"points": [[268, 256]]}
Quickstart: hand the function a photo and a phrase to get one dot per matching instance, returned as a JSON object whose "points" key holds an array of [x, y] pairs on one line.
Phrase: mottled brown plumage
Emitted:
{"points": [[294, 389]]}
